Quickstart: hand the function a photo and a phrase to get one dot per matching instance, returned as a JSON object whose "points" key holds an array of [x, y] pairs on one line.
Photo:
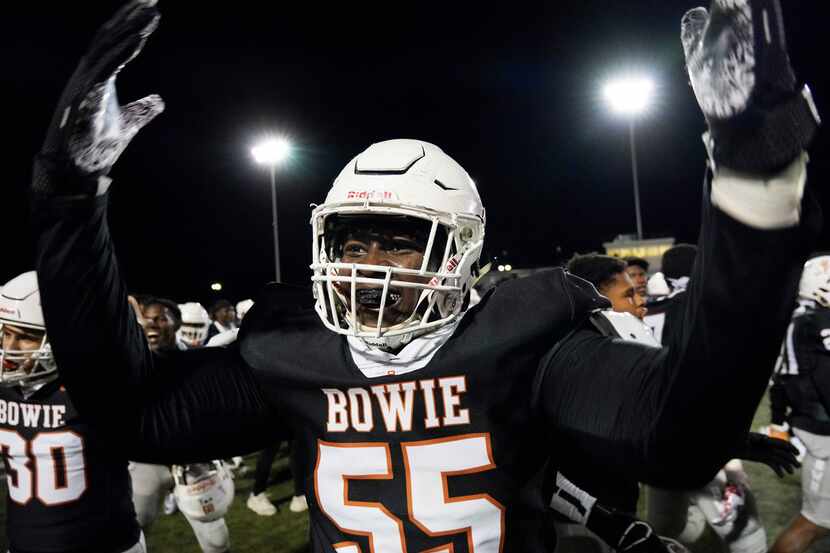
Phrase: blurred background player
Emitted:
{"points": [[204, 493], [242, 308], [610, 277], [68, 491], [160, 320], [195, 321], [223, 315], [801, 383], [258, 501], [664, 288], [637, 269]]}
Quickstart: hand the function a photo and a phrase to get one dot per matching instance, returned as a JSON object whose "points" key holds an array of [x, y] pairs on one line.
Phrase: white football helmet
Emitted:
{"points": [[203, 491], [657, 285], [400, 178], [20, 307], [243, 307], [815, 280], [195, 322]]}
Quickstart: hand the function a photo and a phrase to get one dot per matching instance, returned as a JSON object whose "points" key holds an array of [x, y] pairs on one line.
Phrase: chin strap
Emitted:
{"points": [[391, 343]]}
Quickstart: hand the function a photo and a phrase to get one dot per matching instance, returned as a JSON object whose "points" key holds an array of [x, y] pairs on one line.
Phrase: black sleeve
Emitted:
{"points": [[778, 402], [673, 416], [179, 407]]}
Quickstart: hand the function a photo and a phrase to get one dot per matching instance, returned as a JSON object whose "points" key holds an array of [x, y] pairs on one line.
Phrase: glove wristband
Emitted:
{"points": [[54, 176], [570, 501], [764, 141], [783, 428]]}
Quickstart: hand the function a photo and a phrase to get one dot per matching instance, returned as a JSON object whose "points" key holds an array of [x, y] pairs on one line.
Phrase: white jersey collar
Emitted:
{"points": [[374, 362]]}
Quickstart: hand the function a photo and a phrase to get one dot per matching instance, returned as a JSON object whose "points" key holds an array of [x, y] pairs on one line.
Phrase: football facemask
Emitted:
{"points": [[195, 323]]}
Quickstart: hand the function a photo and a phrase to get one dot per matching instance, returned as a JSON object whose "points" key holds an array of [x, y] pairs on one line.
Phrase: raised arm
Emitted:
{"points": [[159, 407], [672, 416]]}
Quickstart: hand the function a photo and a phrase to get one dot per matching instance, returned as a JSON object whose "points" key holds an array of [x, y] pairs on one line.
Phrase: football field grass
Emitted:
{"points": [[287, 532]]}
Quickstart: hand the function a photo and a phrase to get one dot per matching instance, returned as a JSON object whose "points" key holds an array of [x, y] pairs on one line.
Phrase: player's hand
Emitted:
{"points": [[779, 455], [736, 56], [139, 314], [89, 129]]}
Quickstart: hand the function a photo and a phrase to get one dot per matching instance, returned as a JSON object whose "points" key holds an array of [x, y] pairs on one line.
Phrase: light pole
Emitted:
{"points": [[272, 152], [630, 96]]}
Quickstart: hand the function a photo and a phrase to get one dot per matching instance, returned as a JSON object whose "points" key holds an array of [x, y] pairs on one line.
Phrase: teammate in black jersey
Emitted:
{"points": [[68, 490], [429, 424], [800, 398], [667, 289]]}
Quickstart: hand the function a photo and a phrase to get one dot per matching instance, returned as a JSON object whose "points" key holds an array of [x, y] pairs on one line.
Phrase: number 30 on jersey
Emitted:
{"points": [[56, 476]]}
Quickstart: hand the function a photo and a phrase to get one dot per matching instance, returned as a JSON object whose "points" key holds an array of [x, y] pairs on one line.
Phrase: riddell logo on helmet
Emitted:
{"points": [[200, 487], [369, 195], [451, 265], [8, 311]]}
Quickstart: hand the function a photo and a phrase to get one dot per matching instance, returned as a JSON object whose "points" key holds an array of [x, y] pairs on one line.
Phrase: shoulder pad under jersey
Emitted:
{"points": [[625, 326]]}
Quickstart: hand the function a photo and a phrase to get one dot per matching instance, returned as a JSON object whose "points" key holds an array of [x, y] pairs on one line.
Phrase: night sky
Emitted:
{"points": [[511, 91]]}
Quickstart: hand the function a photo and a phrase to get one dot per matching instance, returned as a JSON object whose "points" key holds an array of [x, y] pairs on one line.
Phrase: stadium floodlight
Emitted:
{"points": [[272, 152], [631, 96]]}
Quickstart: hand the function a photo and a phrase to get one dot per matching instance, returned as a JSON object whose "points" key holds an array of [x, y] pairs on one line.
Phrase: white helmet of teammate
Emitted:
{"points": [[243, 307], [402, 179], [815, 280], [203, 491], [20, 307], [195, 322]]}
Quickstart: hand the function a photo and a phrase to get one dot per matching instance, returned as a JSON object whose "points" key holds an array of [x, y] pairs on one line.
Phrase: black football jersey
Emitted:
{"points": [[442, 458], [66, 490], [803, 369]]}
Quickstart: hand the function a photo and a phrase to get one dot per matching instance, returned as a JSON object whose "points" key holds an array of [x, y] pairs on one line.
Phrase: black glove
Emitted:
{"points": [[736, 56], [89, 129], [641, 538], [777, 454], [627, 534]]}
